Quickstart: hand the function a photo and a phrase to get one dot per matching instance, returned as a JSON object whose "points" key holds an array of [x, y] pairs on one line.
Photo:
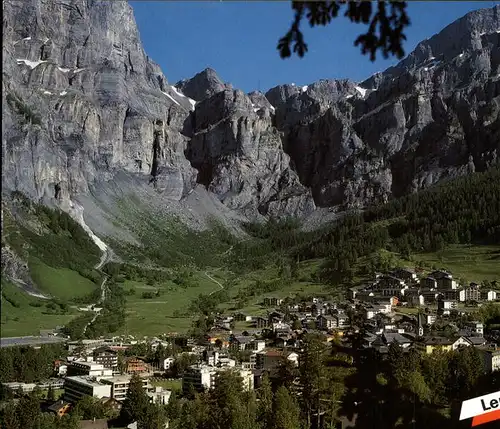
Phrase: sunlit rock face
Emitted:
{"points": [[83, 105]]}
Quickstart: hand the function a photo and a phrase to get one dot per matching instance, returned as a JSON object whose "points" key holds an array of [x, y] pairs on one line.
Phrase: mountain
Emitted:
{"points": [[89, 118]]}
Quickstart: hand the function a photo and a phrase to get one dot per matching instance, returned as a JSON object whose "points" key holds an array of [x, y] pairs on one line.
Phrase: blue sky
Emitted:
{"points": [[238, 40]]}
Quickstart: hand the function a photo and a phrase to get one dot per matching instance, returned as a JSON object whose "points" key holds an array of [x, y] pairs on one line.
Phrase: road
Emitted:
{"points": [[215, 281], [29, 341], [105, 258]]}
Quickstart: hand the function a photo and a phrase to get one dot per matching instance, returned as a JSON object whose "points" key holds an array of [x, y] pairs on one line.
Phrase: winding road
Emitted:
{"points": [[215, 281], [105, 258]]}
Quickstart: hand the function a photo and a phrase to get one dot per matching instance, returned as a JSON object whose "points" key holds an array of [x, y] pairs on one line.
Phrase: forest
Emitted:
{"points": [[464, 210]]}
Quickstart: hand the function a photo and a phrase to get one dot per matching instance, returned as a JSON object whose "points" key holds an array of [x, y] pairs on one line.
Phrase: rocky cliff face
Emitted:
{"points": [[434, 115], [81, 101], [83, 104]]}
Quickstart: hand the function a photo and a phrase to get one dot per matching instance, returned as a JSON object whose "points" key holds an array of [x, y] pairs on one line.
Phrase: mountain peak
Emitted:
{"points": [[202, 85]]}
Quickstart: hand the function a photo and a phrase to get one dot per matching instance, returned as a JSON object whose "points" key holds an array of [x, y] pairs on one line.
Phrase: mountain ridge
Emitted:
{"points": [[109, 120]]}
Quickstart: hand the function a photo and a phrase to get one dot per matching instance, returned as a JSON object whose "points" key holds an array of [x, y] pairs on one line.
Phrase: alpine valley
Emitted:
{"points": [[109, 169]]}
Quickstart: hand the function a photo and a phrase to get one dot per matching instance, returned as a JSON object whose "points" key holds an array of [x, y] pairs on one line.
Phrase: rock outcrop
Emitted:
{"points": [[83, 104], [434, 115], [240, 158], [81, 100], [203, 85]]}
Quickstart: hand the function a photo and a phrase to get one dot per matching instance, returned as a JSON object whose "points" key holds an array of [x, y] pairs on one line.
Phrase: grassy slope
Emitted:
{"points": [[52, 275], [472, 263], [61, 283], [25, 319], [156, 316]]}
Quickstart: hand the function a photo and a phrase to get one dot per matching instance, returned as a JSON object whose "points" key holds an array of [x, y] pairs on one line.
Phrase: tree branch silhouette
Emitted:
{"points": [[387, 20]]}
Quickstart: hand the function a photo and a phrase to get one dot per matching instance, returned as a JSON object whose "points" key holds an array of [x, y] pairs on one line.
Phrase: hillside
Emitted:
{"points": [[178, 273]]}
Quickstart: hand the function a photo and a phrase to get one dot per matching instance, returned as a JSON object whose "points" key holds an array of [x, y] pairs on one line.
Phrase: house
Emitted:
{"points": [[491, 358], [389, 337], [319, 308], [272, 301], [281, 327], [167, 363], [111, 404], [240, 342], [429, 296], [106, 357], [159, 395], [270, 360], [374, 309], [406, 274], [119, 386], [461, 342], [60, 367], [199, 378], [428, 282], [327, 322], [431, 319], [259, 345], [215, 335], [342, 319], [475, 327], [394, 300], [211, 357], [449, 294], [239, 317], [390, 282], [261, 322], [489, 295], [430, 344], [470, 293], [93, 424], [445, 305], [135, 366], [59, 408], [477, 341]]}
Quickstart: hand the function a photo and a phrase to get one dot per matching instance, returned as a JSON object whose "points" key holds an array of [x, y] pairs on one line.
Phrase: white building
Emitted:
{"points": [[200, 377], [225, 362], [76, 387], [89, 368], [491, 359], [490, 295], [259, 345], [158, 395], [167, 363], [120, 384], [203, 377], [475, 327]]}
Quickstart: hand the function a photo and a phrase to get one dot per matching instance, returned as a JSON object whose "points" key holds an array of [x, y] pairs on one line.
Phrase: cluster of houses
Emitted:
{"points": [[403, 285], [253, 345], [92, 368], [378, 304]]}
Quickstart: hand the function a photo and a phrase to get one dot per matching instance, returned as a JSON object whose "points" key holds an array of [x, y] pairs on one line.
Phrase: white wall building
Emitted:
{"points": [[167, 363], [120, 384], [89, 368], [76, 387], [158, 395]]}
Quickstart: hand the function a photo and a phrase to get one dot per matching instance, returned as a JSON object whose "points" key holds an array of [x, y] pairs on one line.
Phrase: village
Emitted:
{"points": [[425, 312]]}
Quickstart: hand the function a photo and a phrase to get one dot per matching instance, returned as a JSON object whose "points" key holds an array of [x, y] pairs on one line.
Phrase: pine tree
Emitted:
{"points": [[265, 407], [136, 401], [153, 417], [312, 375], [51, 396], [286, 410]]}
